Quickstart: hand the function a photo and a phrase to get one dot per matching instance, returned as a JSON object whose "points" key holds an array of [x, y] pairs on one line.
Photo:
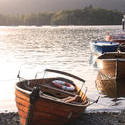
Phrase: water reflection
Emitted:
{"points": [[33, 49]]}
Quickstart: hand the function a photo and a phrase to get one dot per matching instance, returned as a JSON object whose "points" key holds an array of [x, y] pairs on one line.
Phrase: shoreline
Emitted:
{"points": [[95, 118]]}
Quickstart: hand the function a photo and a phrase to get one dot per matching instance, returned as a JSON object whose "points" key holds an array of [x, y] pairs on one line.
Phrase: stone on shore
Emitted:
{"points": [[85, 119]]}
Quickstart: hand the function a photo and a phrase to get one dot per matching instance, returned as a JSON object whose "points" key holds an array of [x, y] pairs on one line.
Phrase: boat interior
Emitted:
{"points": [[48, 90], [112, 56]]}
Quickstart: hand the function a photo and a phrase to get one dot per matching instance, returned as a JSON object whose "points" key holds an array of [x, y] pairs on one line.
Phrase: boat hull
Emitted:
{"points": [[110, 86], [100, 47], [110, 79], [45, 110], [112, 64]]}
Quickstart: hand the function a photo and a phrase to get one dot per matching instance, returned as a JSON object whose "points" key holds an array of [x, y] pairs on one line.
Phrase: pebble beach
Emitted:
{"points": [[102, 118]]}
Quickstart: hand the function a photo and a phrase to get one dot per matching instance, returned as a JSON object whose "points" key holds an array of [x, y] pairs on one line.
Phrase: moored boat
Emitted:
{"points": [[100, 47], [110, 86], [50, 101], [119, 38], [110, 79]]}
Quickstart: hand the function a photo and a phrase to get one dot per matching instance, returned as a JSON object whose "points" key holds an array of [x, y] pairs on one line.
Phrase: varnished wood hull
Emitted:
{"points": [[110, 86], [112, 64], [111, 77], [45, 110]]}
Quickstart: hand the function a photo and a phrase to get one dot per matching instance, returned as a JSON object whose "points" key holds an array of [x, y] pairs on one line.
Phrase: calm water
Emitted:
{"points": [[33, 49]]}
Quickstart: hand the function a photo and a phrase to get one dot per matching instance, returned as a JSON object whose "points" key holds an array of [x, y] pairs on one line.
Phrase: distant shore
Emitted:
{"points": [[103, 118], [87, 16]]}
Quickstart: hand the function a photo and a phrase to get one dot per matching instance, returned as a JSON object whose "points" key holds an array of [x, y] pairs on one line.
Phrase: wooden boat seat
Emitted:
{"points": [[56, 91], [69, 99], [74, 100], [47, 87]]}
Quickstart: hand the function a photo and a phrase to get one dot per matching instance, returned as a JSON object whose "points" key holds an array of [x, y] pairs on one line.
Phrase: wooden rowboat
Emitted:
{"points": [[39, 102], [118, 37], [111, 77], [110, 86]]}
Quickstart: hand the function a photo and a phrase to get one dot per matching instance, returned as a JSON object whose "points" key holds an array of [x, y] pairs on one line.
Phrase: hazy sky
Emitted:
{"points": [[15, 6], [27, 6]]}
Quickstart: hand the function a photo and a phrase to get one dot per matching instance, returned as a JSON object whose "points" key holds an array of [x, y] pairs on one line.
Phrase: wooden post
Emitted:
{"points": [[33, 98], [116, 82], [123, 24]]}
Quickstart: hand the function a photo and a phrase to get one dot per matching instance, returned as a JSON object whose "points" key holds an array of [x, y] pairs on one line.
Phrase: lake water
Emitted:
{"points": [[33, 49]]}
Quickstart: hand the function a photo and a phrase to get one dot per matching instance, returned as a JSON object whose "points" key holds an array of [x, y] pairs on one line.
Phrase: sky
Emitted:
{"points": [[34, 6], [15, 6]]}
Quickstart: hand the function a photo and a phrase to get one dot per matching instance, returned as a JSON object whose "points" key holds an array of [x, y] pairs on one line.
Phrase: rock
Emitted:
{"points": [[85, 119], [9, 119]]}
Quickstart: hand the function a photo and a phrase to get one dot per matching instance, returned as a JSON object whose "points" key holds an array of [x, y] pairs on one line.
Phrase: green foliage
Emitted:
{"points": [[86, 16]]}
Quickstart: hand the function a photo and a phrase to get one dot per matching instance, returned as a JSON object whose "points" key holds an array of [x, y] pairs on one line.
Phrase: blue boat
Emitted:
{"points": [[100, 47]]}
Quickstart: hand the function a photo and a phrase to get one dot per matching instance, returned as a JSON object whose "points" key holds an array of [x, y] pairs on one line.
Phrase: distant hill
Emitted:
{"points": [[86, 16], [35, 6]]}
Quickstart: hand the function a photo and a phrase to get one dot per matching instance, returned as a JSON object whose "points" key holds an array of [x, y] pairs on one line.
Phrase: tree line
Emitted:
{"points": [[86, 16]]}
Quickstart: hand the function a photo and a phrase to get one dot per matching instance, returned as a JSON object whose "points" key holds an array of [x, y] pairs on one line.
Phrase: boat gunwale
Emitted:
{"points": [[110, 59], [110, 56], [27, 92], [103, 43]]}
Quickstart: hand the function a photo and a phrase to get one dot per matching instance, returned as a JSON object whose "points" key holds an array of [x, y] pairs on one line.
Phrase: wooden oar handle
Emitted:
{"points": [[65, 73]]}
